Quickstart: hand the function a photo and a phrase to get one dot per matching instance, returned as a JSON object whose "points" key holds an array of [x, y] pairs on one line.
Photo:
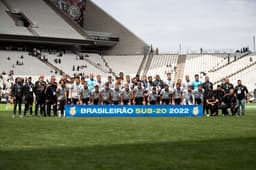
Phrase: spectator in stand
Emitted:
{"points": [[241, 94]]}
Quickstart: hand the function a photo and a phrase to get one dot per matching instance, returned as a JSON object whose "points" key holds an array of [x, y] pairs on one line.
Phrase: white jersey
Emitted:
{"points": [[139, 92], [165, 94], [115, 94], [85, 92], [75, 90], [126, 94]]}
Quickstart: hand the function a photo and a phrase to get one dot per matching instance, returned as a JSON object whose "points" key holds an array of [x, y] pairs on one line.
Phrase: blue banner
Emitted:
{"points": [[133, 111]]}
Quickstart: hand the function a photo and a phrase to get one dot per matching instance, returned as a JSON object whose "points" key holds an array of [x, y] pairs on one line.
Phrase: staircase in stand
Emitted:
{"points": [[180, 67]]}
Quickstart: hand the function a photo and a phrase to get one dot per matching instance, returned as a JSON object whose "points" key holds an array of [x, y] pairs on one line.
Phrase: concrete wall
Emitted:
{"points": [[98, 20]]}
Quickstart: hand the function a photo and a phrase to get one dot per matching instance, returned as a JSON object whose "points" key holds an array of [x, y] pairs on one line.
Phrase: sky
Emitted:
{"points": [[195, 24]]}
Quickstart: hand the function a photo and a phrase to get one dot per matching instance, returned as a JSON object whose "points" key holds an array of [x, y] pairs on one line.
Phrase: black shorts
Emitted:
{"points": [[177, 101], [116, 102], [138, 100], [165, 101], [125, 102], [85, 101], [75, 101]]}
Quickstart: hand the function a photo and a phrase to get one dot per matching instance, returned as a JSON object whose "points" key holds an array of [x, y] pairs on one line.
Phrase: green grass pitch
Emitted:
{"points": [[31, 143]]}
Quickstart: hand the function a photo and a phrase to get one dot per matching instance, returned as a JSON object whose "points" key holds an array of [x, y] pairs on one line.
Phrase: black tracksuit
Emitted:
{"points": [[17, 92], [28, 93], [51, 98]]}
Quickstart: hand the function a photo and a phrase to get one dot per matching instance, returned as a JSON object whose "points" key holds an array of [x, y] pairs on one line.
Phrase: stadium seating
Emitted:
{"points": [[247, 75], [69, 60], [98, 60], [129, 64], [197, 63], [159, 64], [230, 69], [8, 25], [47, 23], [31, 65]]}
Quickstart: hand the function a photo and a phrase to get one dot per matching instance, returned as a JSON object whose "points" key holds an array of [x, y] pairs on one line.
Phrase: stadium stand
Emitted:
{"points": [[8, 25], [26, 65], [230, 69], [129, 64], [246, 75], [72, 64], [46, 22], [162, 64], [202, 63]]}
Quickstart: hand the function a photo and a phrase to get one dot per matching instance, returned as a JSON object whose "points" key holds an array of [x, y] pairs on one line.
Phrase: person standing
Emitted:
{"points": [[186, 83], [126, 95], [139, 94], [226, 86], [29, 98], [199, 95], [166, 95], [177, 95], [61, 93], [51, 97], [17, 95], [116, 95], [241, 92], [105, 95], [91, 82], [74, 91], [95, 95], [39, 91], [85, 94], [208, 87], [197, 82], [189, 97]]}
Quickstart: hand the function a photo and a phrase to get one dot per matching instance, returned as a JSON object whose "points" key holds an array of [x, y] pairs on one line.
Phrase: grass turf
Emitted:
{"points": [[128, 143]]}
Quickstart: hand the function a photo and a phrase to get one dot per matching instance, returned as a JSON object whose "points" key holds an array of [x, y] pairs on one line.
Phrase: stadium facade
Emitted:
{"points": [[80, 24]]}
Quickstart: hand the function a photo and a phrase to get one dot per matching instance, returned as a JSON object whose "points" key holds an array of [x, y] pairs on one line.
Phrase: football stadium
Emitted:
{"points": [[80, 90]]}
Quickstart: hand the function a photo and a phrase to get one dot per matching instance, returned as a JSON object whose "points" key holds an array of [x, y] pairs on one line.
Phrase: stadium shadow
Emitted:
{"points": [[232, 154]]}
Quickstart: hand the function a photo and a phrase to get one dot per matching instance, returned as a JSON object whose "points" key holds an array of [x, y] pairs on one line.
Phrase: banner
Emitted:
{"points": [[133, 111], [72, 8]]}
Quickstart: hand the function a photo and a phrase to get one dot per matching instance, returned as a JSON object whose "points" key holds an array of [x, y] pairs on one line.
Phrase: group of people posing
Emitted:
{"points": [[124, 90]]}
